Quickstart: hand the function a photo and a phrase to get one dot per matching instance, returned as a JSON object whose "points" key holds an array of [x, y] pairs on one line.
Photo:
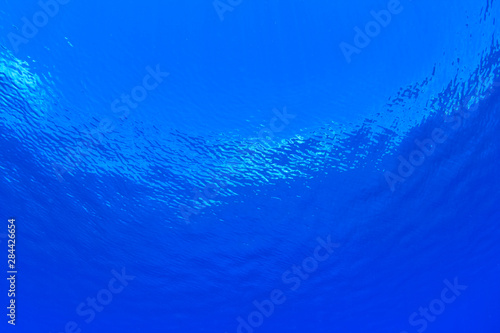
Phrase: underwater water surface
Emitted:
{"points": [[238, 166]]}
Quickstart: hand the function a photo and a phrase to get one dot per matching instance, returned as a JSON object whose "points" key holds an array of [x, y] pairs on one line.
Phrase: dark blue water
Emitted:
{"points": [[238, 166]]}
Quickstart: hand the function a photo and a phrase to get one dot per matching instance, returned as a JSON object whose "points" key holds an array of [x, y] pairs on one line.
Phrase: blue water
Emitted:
{"points": [[250, 166]]}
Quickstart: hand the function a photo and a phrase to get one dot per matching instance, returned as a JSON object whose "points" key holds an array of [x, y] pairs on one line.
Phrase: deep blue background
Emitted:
{"points": [[85, 207]]}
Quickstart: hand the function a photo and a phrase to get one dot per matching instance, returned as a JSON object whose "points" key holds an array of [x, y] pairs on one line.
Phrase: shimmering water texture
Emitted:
{"points": [[223, 167]]}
